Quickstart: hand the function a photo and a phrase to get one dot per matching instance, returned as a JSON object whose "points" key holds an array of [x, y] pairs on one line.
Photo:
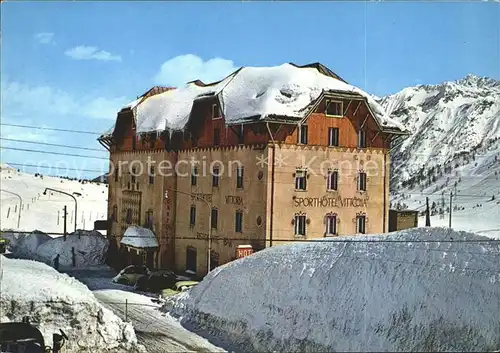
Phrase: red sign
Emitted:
{"points": [[243, 250]]}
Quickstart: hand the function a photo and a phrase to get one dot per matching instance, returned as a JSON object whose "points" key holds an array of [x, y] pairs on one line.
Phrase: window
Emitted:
{"points": [[194, 174], [362, 181], [302, 137], [333, 137], [214, 260], [216, 136], [152, 175], [191, 259], [300, 180], [216, 112], [300, 225], [128, 217], [215, 214], [361, 224], [117, 171], [215, 177], [133, 175], [152, 140], [332, 180], [238, 224], [134, 142], [149, 219], [331, 224], [192, 215], [239, 177], [241, 136], [334, 108], [362, 139], [194, 140]]}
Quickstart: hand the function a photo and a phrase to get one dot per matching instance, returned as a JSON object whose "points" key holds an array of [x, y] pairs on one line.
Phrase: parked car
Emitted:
{"points": [[178, 287], [131, 274], [156, 281]]}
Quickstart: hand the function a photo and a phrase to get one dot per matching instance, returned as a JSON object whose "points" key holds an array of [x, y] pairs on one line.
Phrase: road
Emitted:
{"points": [[157, 331]]}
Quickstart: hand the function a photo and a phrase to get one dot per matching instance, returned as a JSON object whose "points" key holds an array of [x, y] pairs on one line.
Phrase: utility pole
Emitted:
{"points": [[451, 200], [65, 216], [427, 213]]}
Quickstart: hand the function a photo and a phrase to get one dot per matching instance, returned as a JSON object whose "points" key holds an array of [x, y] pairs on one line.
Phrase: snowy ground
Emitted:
{"points": [[417, 290], [56, 301], [157, 331], [44, 212], [476, 184]]}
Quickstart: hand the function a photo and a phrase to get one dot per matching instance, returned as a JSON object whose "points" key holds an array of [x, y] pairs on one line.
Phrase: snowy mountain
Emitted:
{"points": [[451, 124], [45, 212], [454, 146]]}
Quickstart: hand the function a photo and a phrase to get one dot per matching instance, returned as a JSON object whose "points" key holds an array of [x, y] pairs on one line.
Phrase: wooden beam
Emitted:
{"points": [[374, 137], [348, 105], [364, 121], [356, 110]]}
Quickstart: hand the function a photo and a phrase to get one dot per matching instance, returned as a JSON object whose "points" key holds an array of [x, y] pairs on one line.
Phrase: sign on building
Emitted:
{"points": [[243, 250]]}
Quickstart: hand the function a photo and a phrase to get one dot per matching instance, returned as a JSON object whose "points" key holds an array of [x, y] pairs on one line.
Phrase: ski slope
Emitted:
{"points": [[477, 184], [45, 212]]}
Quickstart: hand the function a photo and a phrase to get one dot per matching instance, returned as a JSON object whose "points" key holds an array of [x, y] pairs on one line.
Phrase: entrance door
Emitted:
{"points": [[150, 259], [191, 259]]}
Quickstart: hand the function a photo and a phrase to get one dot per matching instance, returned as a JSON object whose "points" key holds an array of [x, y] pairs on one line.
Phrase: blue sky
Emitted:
{"points": [[72, 65]]}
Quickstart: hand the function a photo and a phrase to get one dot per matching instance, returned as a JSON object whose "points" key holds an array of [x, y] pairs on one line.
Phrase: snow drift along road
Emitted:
{"points": [[90, 248], [56, 301], [366, 294]]}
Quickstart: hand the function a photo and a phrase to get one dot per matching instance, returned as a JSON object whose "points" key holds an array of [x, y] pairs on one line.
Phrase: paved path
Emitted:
{"points": [[157, 331]]}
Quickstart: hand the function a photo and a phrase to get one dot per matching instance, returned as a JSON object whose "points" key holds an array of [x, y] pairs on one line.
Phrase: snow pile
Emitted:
{"points": [[56, 301], [89, 248], [139, 237], [24, 245], [361, 293], [250, 92]]}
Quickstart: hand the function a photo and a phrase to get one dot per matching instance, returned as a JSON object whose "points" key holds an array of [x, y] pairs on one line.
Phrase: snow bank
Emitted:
{"points": [[139, 237], [25, 245], [90, 248], [250, 92], [56, 301], [366, 294]]}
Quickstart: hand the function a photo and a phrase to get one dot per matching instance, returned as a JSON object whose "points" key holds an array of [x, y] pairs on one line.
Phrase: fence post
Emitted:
{"points": [[126, 309]]}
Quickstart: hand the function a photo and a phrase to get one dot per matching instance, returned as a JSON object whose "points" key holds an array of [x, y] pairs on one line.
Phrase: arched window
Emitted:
{"points": [[128, 218]]}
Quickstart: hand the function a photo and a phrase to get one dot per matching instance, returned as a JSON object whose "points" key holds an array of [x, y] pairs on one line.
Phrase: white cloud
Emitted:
{"points": [[44, 101], [82, 52], [44, 37], [184, 68]]}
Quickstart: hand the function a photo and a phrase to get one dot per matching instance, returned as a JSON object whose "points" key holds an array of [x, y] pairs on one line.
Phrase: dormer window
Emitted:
{"points": [[361, 139], [302, 135], [334, 108], [216, 112]]}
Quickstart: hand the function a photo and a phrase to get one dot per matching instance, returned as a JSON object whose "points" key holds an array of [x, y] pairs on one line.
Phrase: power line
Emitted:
{"points": [[47, 152], [53, 144], [57, 168], [52, 129]]}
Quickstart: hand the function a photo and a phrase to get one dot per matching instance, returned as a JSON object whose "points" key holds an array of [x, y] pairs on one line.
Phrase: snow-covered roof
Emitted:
{"points": [[139, 237], [250, 93]]}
